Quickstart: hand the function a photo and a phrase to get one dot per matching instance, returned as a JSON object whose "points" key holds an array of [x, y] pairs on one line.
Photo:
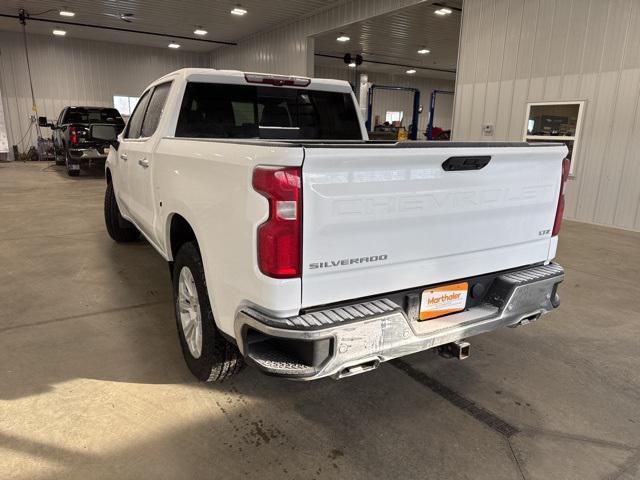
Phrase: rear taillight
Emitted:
{"points": [[566, 165], [280, 236], [73, 135]]}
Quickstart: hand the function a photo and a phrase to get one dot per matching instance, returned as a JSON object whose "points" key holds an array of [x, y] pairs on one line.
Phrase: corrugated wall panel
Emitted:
{"points": [[559, 50], [69, 71]]}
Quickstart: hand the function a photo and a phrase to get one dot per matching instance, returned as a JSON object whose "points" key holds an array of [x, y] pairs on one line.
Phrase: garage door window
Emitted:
{"points": [[555, 122]]}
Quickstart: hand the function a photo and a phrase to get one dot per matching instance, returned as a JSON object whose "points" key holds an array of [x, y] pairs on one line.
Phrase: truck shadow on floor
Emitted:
{"points": [[93, 171]]}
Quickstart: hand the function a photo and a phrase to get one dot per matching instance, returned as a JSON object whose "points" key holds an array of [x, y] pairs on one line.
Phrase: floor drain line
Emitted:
{"points": [[479, 413]]}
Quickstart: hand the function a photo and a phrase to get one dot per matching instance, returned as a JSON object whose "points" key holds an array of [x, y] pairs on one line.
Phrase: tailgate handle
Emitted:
{"points": [[454, 164]]}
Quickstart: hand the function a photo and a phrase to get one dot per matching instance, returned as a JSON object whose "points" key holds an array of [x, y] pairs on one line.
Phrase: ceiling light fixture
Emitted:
{"points": [[66, 13], [423, 51], [58, 32], [352, 65], [238, 10], [200, 31], [411, 71], [343, 38], [174, 45], [443, 11]]}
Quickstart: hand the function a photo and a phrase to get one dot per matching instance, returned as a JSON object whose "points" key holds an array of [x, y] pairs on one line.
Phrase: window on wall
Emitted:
{"points": [[125, 105], [555, 122], [392, 116]]}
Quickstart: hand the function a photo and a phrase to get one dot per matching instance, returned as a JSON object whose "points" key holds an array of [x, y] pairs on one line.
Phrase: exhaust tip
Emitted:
{"points": [[359, 368]]}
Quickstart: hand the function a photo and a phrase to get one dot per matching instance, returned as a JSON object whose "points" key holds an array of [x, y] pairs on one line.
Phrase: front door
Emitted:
{"points": [[142, 196], [129, 151]]}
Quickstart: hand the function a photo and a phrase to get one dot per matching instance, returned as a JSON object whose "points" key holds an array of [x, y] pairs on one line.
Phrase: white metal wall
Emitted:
{"points": [[4, 142], [387, 100], [288, 49], [69, 71], [518, 51]]}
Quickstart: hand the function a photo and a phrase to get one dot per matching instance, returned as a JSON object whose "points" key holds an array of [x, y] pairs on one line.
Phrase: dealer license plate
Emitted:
{"points": [[444, 300]]}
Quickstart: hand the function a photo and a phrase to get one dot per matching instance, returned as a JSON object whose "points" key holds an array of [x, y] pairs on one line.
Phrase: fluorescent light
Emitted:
{"points": [[238, 11], [443, 11], [352, 65], [174, 45], [200, 31], [423, 51], [343, 38], [59, 33], [66, 13], [411, 71]]}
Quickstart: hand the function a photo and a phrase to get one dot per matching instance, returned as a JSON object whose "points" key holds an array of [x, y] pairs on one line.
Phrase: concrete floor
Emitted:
{"points": [[93, 385]]}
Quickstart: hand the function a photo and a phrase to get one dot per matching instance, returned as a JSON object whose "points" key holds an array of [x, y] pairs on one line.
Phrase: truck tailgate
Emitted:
{"points": [[384, 218]]}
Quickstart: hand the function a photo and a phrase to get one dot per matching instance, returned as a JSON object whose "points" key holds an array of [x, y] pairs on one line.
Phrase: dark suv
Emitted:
{"points": [[72, 141]]}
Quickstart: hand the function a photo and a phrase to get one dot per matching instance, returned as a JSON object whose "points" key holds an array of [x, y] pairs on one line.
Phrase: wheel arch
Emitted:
{"points": [[178, 231]]}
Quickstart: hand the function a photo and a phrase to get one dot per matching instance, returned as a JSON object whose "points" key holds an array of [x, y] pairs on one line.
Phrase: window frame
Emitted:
{"points": [[127, 128], [401, 112], [575, 138], [144, 118], [128, 104]]}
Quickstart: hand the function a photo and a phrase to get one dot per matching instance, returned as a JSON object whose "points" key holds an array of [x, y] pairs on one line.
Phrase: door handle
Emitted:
{"points": [[143, 162], [123, 156]]}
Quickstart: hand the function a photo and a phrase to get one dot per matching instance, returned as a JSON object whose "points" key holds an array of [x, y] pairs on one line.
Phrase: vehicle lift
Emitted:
{"points": [[413, 130], [432, 110]]}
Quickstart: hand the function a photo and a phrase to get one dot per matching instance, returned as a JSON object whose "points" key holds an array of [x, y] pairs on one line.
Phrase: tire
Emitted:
{"points": [[119, 229], [217, 359], [71, 173], [60, 159]]}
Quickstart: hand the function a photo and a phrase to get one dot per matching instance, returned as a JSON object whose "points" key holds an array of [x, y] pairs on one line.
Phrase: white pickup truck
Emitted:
{"points": [[306, 250]]}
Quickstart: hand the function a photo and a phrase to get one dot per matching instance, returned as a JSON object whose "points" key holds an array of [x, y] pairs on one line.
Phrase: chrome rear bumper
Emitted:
{"points": [[352, 339]]}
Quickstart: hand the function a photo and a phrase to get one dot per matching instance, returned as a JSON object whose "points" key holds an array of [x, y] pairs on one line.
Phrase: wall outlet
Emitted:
{"points": [[487, 129]]}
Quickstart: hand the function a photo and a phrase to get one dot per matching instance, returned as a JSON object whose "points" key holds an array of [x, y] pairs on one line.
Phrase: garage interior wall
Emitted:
{"points": [[4, 141], [75, 72], [519, 51], [401, 101], [289, 48]]}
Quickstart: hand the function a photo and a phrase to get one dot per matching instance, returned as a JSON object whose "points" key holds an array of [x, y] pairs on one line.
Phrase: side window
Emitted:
{"points": [[135, 122], [61, 116], [154, 111]]}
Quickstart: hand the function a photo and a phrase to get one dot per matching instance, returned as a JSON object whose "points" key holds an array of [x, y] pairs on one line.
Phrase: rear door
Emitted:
{"points": [[384, 218]]}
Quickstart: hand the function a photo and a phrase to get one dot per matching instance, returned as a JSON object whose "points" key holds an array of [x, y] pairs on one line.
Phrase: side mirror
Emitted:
{"points": [[104, 132], [43, 122]]}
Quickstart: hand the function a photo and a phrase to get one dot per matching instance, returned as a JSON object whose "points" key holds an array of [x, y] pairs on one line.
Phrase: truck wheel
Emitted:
{"points": [[71, 173], [209, 356], [119, 229], [60, 159]]}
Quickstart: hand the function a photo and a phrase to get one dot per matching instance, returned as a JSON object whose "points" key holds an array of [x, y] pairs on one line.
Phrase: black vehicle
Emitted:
{"points": [[72, 142]]}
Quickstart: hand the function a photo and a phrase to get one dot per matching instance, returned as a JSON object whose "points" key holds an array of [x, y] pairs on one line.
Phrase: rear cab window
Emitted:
{"points": [[215, 110], [92, 115]]}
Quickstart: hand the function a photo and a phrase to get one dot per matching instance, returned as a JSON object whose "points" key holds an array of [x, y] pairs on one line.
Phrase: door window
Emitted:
{"points": [[134, 126], [154, 110], [555, 122]]}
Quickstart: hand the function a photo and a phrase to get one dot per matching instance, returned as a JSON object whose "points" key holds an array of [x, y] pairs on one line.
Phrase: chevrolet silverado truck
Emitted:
{"points": [[73, 145], [298, 246]]}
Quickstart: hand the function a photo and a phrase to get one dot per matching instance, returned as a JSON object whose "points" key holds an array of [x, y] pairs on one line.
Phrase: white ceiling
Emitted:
{"points": [[395, 38], [162, 16]]}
